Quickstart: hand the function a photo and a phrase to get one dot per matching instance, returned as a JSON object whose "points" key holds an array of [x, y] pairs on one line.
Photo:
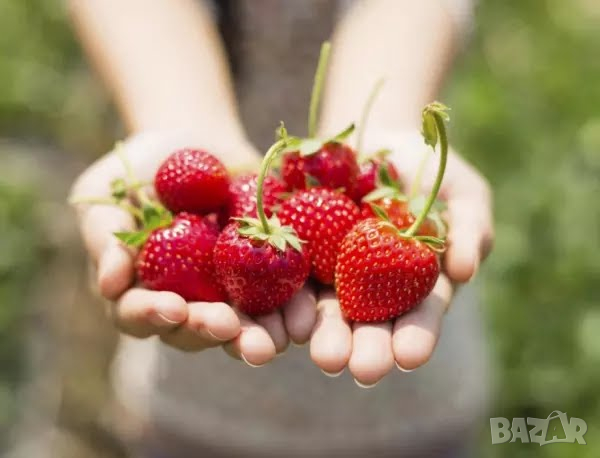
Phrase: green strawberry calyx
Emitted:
{"points": [[129, 194], [265, 229], [437, 244], [312, 145], [386, 187]]}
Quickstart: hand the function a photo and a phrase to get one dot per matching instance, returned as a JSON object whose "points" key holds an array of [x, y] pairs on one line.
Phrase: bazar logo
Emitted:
{"points": [[555, 429]]}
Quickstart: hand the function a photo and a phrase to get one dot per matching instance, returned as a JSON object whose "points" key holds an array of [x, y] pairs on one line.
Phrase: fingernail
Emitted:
{"points": [[158, 319], [297, 345], [171, 312], [220, 339], [249, 363], [333, 374], [362, 385], [401, 368]]}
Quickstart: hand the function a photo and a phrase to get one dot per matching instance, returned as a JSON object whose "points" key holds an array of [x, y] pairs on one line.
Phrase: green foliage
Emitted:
{"points": [[20, 259], [525, 103]]}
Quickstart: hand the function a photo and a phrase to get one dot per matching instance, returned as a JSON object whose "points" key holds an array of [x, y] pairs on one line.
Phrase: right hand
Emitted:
{"points": [[137, 311]]}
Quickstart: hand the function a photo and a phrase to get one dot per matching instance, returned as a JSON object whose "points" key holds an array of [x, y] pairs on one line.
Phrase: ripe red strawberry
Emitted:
{"points": [[178, 258], [333, 166], [380, 275], [259, 276], [366, 181], [399, 214], [321, 217], [192, 180], [242, 201], [260, 263]]}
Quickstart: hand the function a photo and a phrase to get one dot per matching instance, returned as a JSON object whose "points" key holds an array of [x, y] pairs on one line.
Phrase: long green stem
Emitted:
{"points": [[441, 128], [366, 112], [135, 212], [270, 156], [315, 98]]}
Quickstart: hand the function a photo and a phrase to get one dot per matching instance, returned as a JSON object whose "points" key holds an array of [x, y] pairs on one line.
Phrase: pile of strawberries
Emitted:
{"points": [[254, 240]]}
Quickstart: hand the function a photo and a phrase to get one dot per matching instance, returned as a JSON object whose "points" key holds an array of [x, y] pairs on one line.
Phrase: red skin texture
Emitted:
{"points": [[334, 166], [179, 259], [192, 180], [257, 276], [321, 217], [242, 201], [379, 275], [397, 211], [366, 181]]}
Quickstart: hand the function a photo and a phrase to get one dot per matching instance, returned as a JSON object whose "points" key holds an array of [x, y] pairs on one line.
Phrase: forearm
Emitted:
{"points": [[162, 61], [410, 44]]}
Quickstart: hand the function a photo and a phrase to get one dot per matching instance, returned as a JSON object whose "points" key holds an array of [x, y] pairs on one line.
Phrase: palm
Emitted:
{"points": [[137, 311], [370, 350]]}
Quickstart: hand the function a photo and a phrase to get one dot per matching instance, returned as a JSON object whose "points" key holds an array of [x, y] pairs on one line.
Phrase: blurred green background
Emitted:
{"points": [[526, 110]]}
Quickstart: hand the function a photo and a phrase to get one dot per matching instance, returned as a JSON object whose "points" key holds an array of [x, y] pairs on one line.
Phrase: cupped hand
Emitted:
{"points": [[370, 351], [137, 311]]}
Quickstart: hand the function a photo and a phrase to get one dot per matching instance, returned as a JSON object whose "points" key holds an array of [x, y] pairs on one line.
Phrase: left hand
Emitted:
{"points": [[371, 350]]}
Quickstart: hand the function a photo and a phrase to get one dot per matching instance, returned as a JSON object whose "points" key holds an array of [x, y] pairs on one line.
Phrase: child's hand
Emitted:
{"points": [[370, 350], [143, 313]]}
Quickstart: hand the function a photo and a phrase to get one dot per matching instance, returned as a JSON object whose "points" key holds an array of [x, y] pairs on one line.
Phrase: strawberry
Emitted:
{"points": [[192, 180], [383, 271], [366, 180], [175, 251], [178, 258], [242, 190], [333, 165], [260, 263], [321, 217], [258, 275], [380, 275]]}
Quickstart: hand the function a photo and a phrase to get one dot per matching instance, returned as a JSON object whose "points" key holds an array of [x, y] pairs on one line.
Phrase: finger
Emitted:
{"points": [[331, 342], [372, 356], [273, 324], [415, 334], [470, 235], [253, 345], [142, 313], [209, 324], [115, 261], [300, 315]]}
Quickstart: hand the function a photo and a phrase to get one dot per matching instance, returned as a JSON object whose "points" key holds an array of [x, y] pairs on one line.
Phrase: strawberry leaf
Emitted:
{"points": [[118, 189], [343, 135], [310, 181], [382, 193], [380, 212], [134, 239], [309, 146], [383, 176]]}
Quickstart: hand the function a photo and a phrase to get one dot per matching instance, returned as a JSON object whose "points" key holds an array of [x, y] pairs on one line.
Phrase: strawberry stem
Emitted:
{"points": [[434, 128], [134, 183], [134, 211], [366, 112], [315, 97], [270, 156]]}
